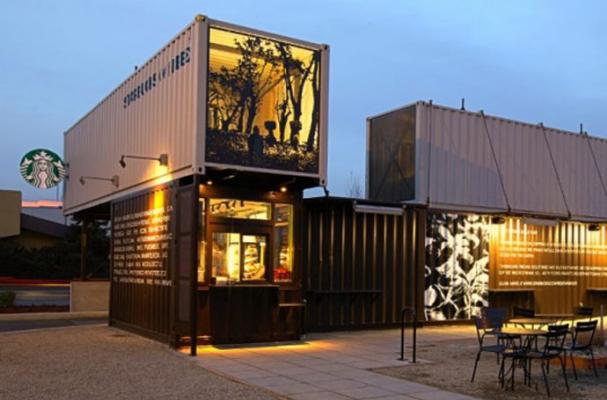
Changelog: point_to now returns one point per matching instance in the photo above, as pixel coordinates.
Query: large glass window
(238, 257)
(263, 103)
(233, 208)
(283, 243)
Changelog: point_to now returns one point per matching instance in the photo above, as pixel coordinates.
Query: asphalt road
(8, 326)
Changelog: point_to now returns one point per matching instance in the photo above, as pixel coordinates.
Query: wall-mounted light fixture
(498, 220)
(594, 227)
(210, 182)
(163, 159)
(113, 180)
(283, 189)
(369, 209)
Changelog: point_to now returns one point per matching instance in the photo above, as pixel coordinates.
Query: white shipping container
(162, 109)
(467, 161)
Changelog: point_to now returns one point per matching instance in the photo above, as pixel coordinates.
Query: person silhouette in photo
(255, 146)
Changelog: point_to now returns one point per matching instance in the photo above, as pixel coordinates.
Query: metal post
(402, 333)
(83, 248)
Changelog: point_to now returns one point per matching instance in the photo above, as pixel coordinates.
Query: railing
(404, 312)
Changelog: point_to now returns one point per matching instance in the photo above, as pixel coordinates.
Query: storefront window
(283, 243)
(232, 208)
(238, 257)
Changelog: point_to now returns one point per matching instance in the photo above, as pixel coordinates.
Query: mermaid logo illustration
(42, 168)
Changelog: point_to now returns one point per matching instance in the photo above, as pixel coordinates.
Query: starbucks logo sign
(42, 168)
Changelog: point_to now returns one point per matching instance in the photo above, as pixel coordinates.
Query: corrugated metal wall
(360, 269)
(141, 307)
(154, 111)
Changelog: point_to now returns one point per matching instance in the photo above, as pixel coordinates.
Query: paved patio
(331, 365)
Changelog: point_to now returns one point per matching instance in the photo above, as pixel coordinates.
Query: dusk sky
(528, 60)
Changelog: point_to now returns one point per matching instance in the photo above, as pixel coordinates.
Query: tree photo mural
(263, 103)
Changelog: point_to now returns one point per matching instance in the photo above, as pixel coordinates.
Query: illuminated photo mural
(263, 103)
(457, 266)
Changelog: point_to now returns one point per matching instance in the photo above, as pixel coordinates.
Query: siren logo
(42, 168)
(166, 70)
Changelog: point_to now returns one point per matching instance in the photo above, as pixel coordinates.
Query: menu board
(140, 245)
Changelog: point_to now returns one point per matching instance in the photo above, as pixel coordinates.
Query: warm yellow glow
(283, 189)
(233, 256)
(225, 54)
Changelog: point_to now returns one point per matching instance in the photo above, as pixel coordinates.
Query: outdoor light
(498, 220)
(163, 159)
(283, 189)
(367, 209)
(114, 179)
(210, 182)
(594, 227)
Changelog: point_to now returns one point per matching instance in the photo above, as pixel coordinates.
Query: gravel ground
(449, 364)
(98, 362)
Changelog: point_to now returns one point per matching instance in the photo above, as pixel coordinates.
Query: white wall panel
(162, 120)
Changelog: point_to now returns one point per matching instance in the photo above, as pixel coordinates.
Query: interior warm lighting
(283, 189)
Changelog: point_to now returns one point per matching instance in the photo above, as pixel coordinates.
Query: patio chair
(485, 327)
(519, 312)
(554, 347)
(496, 318)
(583, 312)
(583, 335)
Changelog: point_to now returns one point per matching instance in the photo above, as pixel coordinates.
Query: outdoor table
(532, 321)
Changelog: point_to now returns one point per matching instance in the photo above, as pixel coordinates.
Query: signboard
(42, 168)
(559, 263)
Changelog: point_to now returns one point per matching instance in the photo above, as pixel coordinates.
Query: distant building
(31, 224)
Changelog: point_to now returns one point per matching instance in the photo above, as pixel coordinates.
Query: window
(238, 257)
(243, 209)
(283, 243)
(263, 103)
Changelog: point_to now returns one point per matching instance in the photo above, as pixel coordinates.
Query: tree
(295, 75)
(354, 188)
(316, 100)
(257, 67)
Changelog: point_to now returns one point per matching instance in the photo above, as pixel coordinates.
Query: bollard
(402, 333)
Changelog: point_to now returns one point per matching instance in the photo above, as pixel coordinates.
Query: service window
(239, 257)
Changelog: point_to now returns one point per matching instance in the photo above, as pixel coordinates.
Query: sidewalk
(328, 366)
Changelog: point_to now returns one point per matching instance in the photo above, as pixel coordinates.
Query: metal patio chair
(583, 335)
(520, 312)
(486, 326)
(583, 312)
(554, 347)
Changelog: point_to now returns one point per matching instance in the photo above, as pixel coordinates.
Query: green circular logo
(42, 168)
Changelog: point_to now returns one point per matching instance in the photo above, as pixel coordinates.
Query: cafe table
(533, 322)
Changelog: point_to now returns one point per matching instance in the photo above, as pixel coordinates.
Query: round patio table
(532, 321)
